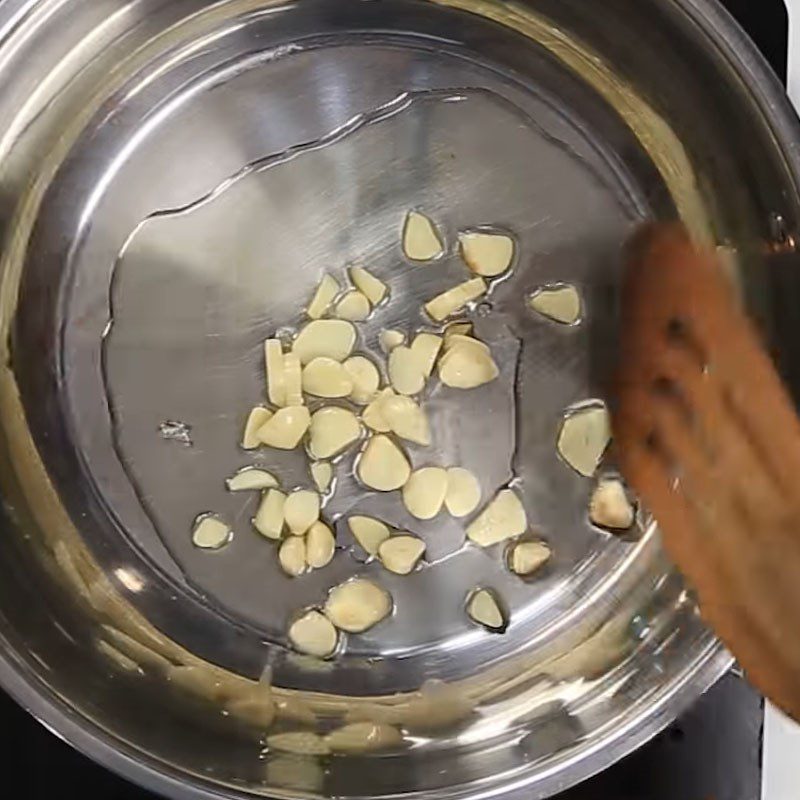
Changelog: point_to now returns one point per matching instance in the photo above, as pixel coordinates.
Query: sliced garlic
(468, 341)
(584, 437)
(211, 533)
(292, 555)
(453, 300)
(251, 478)
(463, 492)
(300, 743)
(293, 379)
(527, 557)
(465, 366)
(357, 605)
(269, 517)
(301, 511)
(389, 339)
(421, 241)
(354, 306)
(363, 737)
(483, 608)
(457, 329)
(559, 303)
(332, 431)
(424, 492)
(322, 474)
(326, 292)
(610, 507)
(324, 377)
(404, 417)
(285, 428)
(256, 419)
(320, 545)
(406, 374)
(400, 554)
(369, 532)
(488, 254)
(373, 414)
(365, 378)
(276, 382)
(366, 283)
(333, 338)
(502, 519)
(425, 348)
(383, 465)
(313, 634)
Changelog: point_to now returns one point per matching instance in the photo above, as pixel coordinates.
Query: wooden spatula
(708, 437)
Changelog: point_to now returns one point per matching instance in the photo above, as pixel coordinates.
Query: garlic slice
(251, 478)
(332, 431)
(383, 466)
(322, 475)
(421, 241)
(488, 254)
(463, 492)
(468, 341)
(301, 511)
(332, 338)
(354, 306)
(502, 519)
(313, 634)
(373, 414)
(299, 743)
(527, 557)
(285, 428)
(320, 545)
(363, 737)
(324, 377)
(559, 303)
(293, 379)
(457, 329)
(373, 289)
(369, 532)
(406, 374)
(453, 300)
(269, 518)
(365, 379)
(466, 366)
(425, 348)
(257, 418)
(584, 436)
(400, 554)
(326, 292)
(404, 417)
(389, 339)
(357, 605)
(610, 507)
(483, 608)
(292, 556)
(276, 382)
(424, 492)
(211, 533)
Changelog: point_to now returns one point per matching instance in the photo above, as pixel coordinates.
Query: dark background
(712, 753)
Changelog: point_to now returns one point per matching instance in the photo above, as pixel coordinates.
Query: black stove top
(712, 753)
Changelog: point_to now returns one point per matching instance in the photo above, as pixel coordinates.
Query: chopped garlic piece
(484, 609)
(389, 339)
(424, 492)
(421, 241)
(332, 431)
(373, 414)
(366, 283)
(610, 507)
(488, 254)
(365, 378)
(354, 306)
(333, 338)
(463, 492)
(502, 519)
(301, 511)
(322, 474)
(276, 382)
(400, 554)
(425, 348)
(453, 300)
(468, 341)
(326, 292)
(363, 737)
(300, 743)
(406, 374)
(256, 419)
(293, 379)
(269, 517)
(320, 545)
(383, 466)
(285, 428)
(357, 605)
(527, 557)
(324, 377)
(457, 329)
(559, 303)
(292, 555)
(251, 478)
(314, 635)
(211, 533)
(466, 366)
(584, 437)
(369, 532)
(404, 417)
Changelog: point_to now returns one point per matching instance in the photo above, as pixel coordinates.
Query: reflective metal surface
(176, 177)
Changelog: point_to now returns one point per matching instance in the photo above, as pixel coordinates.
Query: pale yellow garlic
(211, 533)
(292, 556)
(363, 737)
(322, 474)
(300, 743)
(256, 419)
(301, 511)
(421, 241)
(483, 608)
(527, 557)
(285, 428)
(403, 416)
(453, 300)
(466, 366)
(405, 371)
(276, 381)
(463, 492)
(331, 338)
(293, 379)
(251, 478)
(424, 492)
(371, 287)
(584, 436)
(373, 416)
(488, 254)
(383, 466)
(332, 431)
(502, 519)
(425, 349)
(559, 303)
(610, 507)
(313, 634)
(326, 292)
(354, 306)
(368, 532)
(389, 339)
(320, 545)
(357, 605)
(400, 554)
(269, 517)
(365, 378)
(324, 377)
